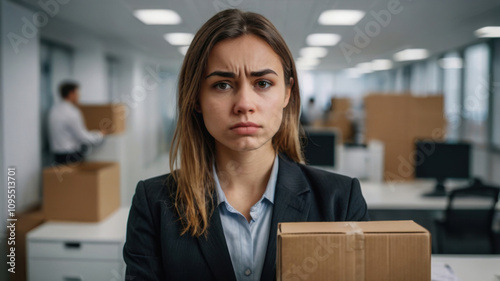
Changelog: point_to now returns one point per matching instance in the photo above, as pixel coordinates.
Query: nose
(244, 100)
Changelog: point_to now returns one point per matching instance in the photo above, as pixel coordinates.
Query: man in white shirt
(67, 131)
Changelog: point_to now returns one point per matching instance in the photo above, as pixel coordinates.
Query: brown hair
(192, 145)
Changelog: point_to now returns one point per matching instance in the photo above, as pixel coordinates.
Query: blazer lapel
(214, 248)
(292, 201)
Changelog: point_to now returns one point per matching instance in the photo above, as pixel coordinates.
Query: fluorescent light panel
(313, 52)
(183, 50)
(381, 64)
(353, 72)
(488, 32)
(179, 39)
(411, 54)
(307, 61)
(157, 17)
(323, 39)
(365, 67)
(340, 17)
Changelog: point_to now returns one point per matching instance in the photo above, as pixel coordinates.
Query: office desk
(404, 201)
(408, 196)
(78, 250)
(472, 267)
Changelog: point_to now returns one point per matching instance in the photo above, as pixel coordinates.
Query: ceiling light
(488, 32)
(365, 67)
(183, 50)
(341, 17)
(353, 72)
(322, 39)
(411, 54)
(451, 63)
(313, 52)
(154, 16)
(179, 39)
(380, 64)
(307, 61)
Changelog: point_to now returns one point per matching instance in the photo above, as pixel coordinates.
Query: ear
(288, 92)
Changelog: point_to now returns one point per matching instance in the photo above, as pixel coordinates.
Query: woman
(239, 171)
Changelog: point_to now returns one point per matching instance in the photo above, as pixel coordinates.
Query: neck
(247, 171)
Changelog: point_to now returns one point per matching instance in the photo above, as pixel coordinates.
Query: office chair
(468, 230)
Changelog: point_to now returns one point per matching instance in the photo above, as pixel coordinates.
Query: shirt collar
(270, 188)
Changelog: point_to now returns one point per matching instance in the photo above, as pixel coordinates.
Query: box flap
(346, 227)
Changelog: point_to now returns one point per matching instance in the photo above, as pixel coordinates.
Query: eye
(263, 84)
(222, 86)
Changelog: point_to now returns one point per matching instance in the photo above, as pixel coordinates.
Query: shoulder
(156, 187)
(323, 176)
(156, 191)
(336, 192)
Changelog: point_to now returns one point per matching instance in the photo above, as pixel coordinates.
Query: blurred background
(378, 79)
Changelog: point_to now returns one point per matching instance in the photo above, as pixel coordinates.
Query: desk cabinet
(69, 251)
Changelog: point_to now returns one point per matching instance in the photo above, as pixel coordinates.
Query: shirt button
(248, 272)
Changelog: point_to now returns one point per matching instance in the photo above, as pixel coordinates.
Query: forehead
(245, 53)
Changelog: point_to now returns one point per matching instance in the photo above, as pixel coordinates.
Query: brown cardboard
(24, 224)
(338, 117)
(398, 120)
(107, 116)
(399, 163)
(88, 191)
(353, 251)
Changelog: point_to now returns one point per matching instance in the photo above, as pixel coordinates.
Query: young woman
(236, 161)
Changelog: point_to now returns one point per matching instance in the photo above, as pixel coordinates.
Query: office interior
(440, 59)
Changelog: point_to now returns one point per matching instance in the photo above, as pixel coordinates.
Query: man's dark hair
(66, 88)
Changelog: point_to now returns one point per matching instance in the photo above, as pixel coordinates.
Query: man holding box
(67, 132)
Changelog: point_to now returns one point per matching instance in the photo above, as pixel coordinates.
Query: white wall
(20, 106)
(20, 125)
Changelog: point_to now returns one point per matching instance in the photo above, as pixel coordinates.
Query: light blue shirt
(247, 241)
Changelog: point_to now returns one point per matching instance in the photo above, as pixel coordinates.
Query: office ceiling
(435, 25)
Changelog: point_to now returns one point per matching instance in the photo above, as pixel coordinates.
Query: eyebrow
(233, 75)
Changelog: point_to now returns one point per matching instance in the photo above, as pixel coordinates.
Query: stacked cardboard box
(109, 117)
(398, 120)
(351, 251)
(338, 117)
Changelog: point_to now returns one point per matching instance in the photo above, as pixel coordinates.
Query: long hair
(193, 148)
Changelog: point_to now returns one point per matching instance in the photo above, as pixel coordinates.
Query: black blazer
(155, 251)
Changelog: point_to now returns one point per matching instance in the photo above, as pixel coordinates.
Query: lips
(244, 125)
(245, 128)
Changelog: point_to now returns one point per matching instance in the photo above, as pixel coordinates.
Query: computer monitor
(319, 147)
(441, 161)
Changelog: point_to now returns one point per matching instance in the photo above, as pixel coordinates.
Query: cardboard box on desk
(106, 116)
(352, 251)
(88, 191)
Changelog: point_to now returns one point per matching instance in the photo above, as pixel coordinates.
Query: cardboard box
(398, 120)
(25, 223)
(353, 251)
(88, 191)
(338, 117)
(107, 116)
(399, 160)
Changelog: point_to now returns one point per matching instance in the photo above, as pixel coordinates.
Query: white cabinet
(75, 251)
